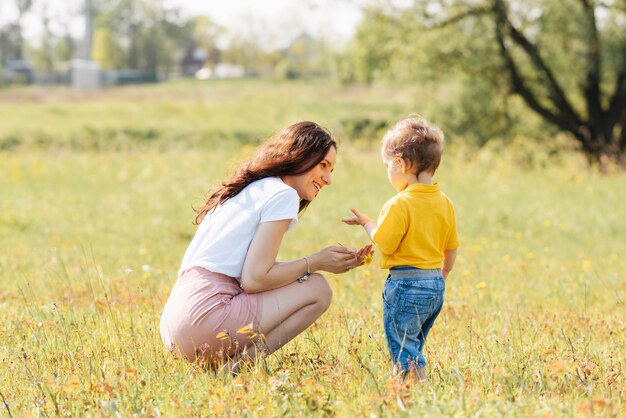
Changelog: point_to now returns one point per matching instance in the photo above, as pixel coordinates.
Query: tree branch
(474, 11)
(622, 141)
(565, 109)
(520, 87)
(592, 81)
(618, 102)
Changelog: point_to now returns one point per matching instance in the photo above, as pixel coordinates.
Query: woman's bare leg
(289, 310)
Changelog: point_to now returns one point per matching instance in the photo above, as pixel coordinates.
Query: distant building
(225, 70)
(85, 75)
(196, 58)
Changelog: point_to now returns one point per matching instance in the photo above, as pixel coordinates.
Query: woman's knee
(323, 291)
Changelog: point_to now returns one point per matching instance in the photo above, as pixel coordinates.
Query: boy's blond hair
(417, 142)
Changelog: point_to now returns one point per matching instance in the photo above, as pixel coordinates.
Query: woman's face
(309, 184)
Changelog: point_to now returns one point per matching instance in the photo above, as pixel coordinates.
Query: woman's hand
(339, 259)
(334, 259)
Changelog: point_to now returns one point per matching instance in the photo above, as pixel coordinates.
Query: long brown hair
(295, 150)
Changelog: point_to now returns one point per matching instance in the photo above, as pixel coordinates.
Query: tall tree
(566, 59)
(11, 37)
(139, 34)
(594, 125)
(23, 6)
(106, 50)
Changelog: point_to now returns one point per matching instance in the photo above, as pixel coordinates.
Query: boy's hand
(358, 218)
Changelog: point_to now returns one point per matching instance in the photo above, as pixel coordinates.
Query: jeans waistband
(412, 272)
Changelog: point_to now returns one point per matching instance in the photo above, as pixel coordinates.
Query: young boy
(417, 237)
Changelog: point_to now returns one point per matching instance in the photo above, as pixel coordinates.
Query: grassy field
(96, 193)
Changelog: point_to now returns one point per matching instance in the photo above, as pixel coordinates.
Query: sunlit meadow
(96, 197)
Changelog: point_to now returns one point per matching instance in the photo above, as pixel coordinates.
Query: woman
(232, 297)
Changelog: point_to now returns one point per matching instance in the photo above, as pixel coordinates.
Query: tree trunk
(595, 131)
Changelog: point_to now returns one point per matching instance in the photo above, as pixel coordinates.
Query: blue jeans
(412, 300)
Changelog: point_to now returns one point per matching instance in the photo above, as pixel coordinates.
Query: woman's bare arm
(262, 272)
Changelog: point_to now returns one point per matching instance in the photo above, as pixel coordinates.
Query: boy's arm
(365, 221)
(449, 256)
(370, 227)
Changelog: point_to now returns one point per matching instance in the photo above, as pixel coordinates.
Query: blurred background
(143, 40)
(548, 71)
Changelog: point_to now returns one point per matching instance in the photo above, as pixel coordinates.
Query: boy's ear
(405, 165)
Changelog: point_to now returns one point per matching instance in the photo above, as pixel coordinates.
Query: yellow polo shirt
(415, 227)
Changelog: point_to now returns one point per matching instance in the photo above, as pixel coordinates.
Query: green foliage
(106, 51)
(478, 116)
(363, 127)
(206, 34)
(286, 70)
(244, 51)
(305, 57)
(567, 62)
(398, 48)
(372, 48)
(139, 34)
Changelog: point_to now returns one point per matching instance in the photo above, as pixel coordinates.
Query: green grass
(95, 219)
(187, 113)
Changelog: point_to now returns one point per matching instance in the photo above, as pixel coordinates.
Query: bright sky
(277, 21)
(272, 21)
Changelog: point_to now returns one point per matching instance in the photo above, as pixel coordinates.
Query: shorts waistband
(412, 272)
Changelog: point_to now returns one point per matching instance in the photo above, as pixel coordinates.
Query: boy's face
(398, 176)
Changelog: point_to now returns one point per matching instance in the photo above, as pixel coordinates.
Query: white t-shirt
(222, 239)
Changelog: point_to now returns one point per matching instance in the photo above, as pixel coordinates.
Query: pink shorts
(204, 316)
